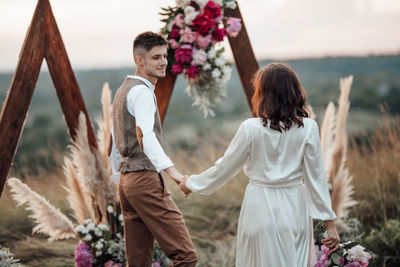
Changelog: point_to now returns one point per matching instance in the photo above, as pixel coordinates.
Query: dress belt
(294, 182)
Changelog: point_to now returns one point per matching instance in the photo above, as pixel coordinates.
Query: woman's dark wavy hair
(279, 97)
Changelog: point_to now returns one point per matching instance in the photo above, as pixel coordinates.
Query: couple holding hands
(278, 149)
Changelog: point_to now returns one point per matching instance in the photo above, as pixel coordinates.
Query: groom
(148, 210)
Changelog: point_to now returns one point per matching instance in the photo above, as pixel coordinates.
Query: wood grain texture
(243, 54)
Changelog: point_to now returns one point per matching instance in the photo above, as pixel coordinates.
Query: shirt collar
(147, 82)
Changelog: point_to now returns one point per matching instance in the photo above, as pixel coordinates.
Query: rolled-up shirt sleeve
(141, 104)
(315, 178)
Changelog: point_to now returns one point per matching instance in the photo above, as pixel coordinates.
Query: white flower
(219, 2)
(207, 66)
(201, 3)
(182, 3)
(102, 227)
(119, 235)
(231, 4)
(98, 232)
(98, 253)
(220, 61)
(227, 71)
(84, 231)
(211, 53)
(88, 237)
(357, 253)
(121, 218)
(216, 73)
(87, 221)
(199, 57)
(79, 228)
(91, 226)
(99, 246)
(110, 209)
(190, 14)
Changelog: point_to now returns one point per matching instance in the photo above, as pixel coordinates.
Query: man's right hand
(183, 187)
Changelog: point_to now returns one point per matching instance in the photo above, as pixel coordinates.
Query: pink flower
(183, 54)
(218, 34)
(187, 35)
(213, 10)
(179, 21)
(199, 57)
(234, 26)
(353, 264)
(342, 260)
(110, 263)
(365, 264)
(203, 41)
(192, 71)
(83, 255)
(176, 69)
(156, 264)
(174, 32)
(173, 44)
(325, 249)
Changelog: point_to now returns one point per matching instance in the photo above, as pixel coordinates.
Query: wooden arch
(43, 41)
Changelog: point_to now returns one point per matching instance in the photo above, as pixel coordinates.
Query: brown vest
(124, 125)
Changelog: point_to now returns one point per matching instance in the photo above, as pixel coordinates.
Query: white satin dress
(287, 188)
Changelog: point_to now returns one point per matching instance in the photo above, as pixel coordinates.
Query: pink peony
(183, 54)
(110, 263)
(218, 34)
(174, 32)
(187, 35)
(83, 255)
(213, 10)
(203, 41)
(192, 71)
(176, 69)
(202, 24)
(234, 26)
(173, 44)
(199, 57)
(179, 21)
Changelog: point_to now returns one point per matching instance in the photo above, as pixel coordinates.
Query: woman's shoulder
(310, 123)
(252, 122)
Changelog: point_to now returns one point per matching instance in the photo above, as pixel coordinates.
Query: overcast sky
(99, 33)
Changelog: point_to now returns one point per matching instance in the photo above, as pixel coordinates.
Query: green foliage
(385, 244)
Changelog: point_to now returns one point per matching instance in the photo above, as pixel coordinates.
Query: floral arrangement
(7, 258)
(349, 254)
(193, 29)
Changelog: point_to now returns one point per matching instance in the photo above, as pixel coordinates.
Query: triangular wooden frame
(43, 41)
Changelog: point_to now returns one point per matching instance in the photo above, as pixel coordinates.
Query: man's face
(155, 61)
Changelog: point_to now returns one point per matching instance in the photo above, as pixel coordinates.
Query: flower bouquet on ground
(349, 254)
(193, 30)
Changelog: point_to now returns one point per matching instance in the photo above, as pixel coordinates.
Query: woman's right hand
(332, 241)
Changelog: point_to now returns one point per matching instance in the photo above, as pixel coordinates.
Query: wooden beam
(163, 91)
(20, 92)
(245, 59)
(64, 80)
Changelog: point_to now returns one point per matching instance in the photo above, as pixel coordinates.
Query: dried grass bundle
(334, 146)
(105, 124)
(50, 220)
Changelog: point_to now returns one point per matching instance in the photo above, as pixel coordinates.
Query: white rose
(207, 66)
(182, 3)
(98, 232)
(102, 227)
(190, 14)
(201, 3)
(211, 53)
(91, 226)
(98, 253)
(231, 4)
(220, 61)
(110, 209)
(216, 73)
(87, 221)
(99, 246)
(88, 237)
(85, 231)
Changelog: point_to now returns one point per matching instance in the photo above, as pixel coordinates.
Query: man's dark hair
(148, 40)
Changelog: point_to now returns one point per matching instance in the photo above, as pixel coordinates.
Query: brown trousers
(149, 212)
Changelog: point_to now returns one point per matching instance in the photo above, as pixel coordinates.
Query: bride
(279, 150)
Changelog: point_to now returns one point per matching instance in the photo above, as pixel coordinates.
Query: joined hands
(182, 186)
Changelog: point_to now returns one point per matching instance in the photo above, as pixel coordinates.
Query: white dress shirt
(142, 104)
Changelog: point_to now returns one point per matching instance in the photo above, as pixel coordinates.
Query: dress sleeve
(225, 168)
(318, 198)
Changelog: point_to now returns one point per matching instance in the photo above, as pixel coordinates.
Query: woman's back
(276, 157)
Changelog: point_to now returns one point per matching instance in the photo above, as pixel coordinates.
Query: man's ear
(139, 61)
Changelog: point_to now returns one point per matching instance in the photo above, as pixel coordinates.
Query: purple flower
(234, 26)
(353, 264)
(111, 263)
(342, 260)
(83, 255)
(156, 264)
